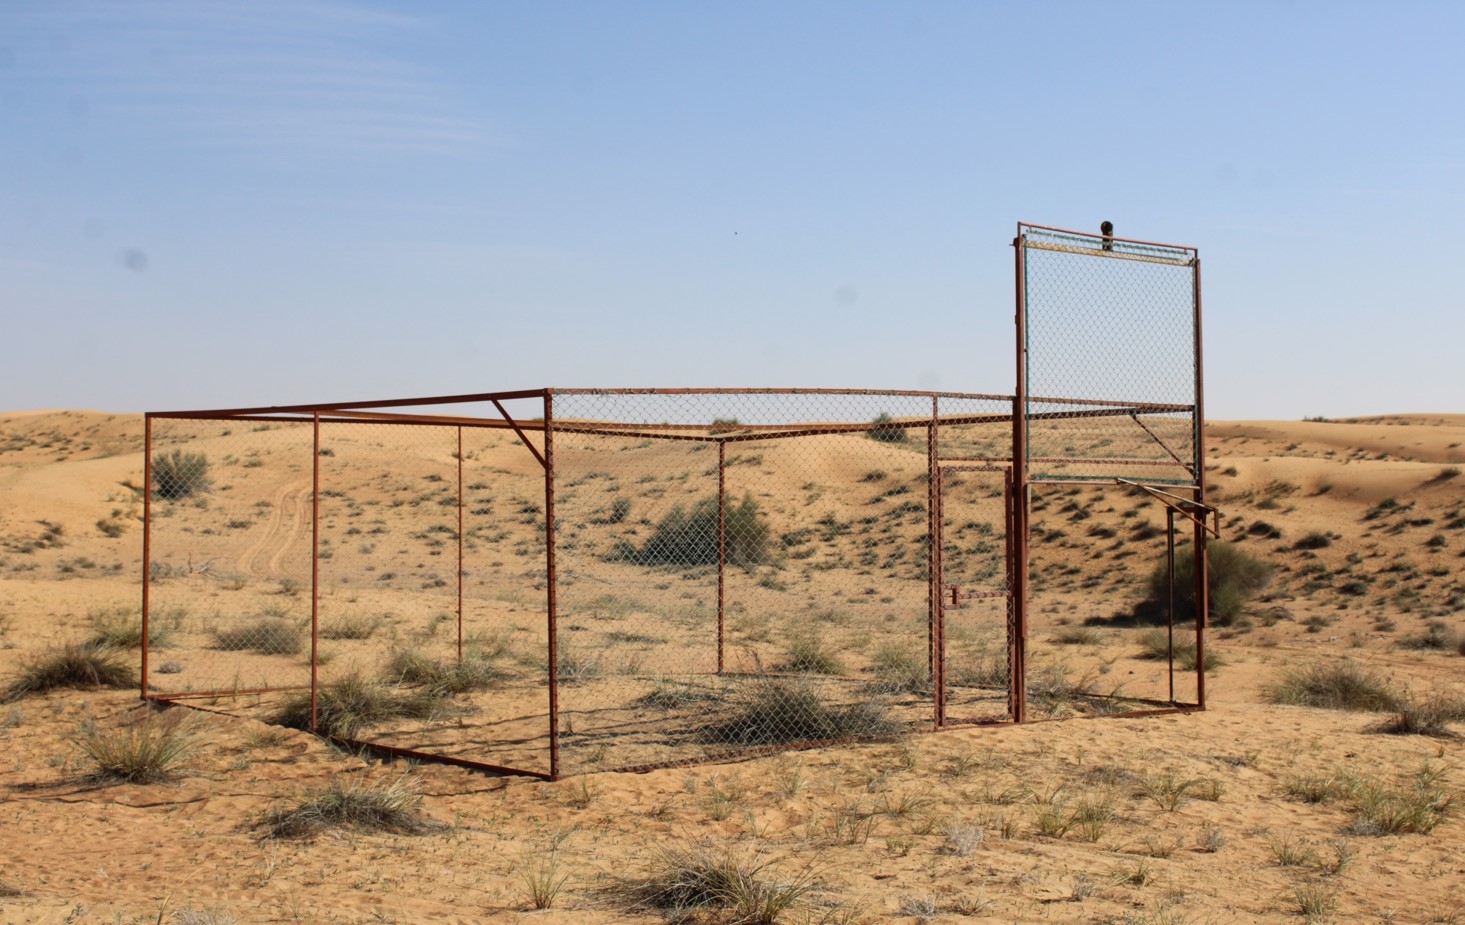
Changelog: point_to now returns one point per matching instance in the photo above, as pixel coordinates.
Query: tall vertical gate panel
(1109, 390)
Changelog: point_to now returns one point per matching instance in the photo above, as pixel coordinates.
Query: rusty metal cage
(555, 581)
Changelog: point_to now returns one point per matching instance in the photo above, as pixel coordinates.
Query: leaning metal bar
(147, 540)
(523, 438)
(551, 578)
(315, 574)
(1154, 437)
(357, 405)
(721, 548)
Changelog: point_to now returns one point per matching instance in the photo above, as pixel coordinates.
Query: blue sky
(220, 203)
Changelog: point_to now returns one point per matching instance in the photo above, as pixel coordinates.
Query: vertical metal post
(147, 541)
(550, 580)
(1018, 652)
(1202, 560)
(935, 630)
(721, 549)
(460, 542)
(1009, 503)
(314, 570)
(1170, 594)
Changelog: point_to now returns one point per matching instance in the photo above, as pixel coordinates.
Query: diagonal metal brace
(523, 438)
(1185, 507)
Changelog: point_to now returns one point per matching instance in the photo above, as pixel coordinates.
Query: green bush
(179, 474)
(1235, 577)
(690, 538)
(886, 431)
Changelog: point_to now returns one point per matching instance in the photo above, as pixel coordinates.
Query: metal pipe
(551, 614)
(1018, 642)
(935, 537)
(1202, 558)
(1170, 595)
(721, 549)
(147, 541)
(460, 543)
(315, 573)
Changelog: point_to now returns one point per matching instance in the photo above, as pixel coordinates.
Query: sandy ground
(960, 826)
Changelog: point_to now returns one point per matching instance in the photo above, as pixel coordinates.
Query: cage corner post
(315, 571)
(1018, 630)
(551, 614)
(460, 543)
(721, 553)
(147, 547)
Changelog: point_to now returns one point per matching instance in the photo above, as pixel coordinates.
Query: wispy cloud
(329, 78)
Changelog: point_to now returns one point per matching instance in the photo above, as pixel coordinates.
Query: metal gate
(975, 641)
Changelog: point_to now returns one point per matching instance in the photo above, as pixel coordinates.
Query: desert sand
(1193, 818)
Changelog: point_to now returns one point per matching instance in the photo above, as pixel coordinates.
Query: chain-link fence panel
(740, 570)
(1111, 358)
(229, 562)
(975, 592)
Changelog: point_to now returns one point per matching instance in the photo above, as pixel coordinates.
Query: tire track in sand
(287, 523)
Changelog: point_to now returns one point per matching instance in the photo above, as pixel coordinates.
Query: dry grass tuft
(343, 803)
(775, 711)
(355, 702)
(149, 750)
(73, 666)
(724, 884)
(1340, 685)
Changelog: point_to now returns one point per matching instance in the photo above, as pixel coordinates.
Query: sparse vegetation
(886, 430)
(1155, 644)
(120, 627)
(777, 711)
(345, 707)
(685, 538)
(732, 885)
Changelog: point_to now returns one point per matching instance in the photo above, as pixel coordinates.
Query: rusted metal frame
(936, 566)
(612, 431)
(721, 550)
(393, 751)
(231, 692)
(1105, 461)
(1121, 407)
(815, 430)
(1202, 558)
(1112, 255)
(357, 405)
(551, 602)
(523, 438)
(1017, 637)
(460, 543)
(1143, 426)
(903, 393)
(378, 417)
(315, 575)
(147, 544)
(1117, 240)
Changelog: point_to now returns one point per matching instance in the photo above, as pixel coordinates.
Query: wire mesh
(1111, 358)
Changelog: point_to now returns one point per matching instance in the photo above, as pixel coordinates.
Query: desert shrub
(702, 881)
(1314, 540)
(620, 509)
(345, 707)
(121, 627)
(1340, 685)
(724, 425)
(1416, 805)
(144, 752)
(1430, 715)
(474, 672)
(886, 430)
(690, 538)
(266, 635)
(776, 711)
(808, 654)
(71, 666)
(178, 474)
(345, 803)
(1155, 644)
(1234, 578)
(899, 670)
(350, 626)
(1077, 636)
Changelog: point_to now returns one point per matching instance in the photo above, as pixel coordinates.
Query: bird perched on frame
(1107, 230)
